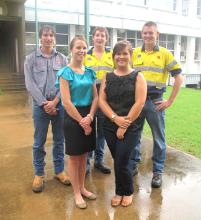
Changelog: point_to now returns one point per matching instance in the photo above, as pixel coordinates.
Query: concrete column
(190, 54)
(71, 32)
(177, 47)
(114, 37)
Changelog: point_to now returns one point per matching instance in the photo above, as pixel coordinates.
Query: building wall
(12, 32)
(179, 23)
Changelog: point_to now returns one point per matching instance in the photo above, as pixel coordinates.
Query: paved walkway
(179, 197)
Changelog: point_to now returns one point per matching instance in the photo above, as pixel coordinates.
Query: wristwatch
(113, 117)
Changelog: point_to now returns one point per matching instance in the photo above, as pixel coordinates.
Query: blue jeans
(41, 123)
(156, 121)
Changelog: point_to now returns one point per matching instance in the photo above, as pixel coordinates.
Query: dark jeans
(121, 151)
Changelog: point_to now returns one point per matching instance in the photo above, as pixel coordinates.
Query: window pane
(63, 49)
(139, 43)
(130, 34)
(170, 45)
(132, 41)
(30, 38)
(61, 39)
(139, 35)
(170, 37)
(162, 37)
(119, 39)
(162, 44)
(30, 27)
(121, 33)
(60, 28)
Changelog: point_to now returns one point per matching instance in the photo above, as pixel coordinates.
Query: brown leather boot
(38, 184)
(63, 178)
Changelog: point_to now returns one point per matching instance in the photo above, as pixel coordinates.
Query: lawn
(183, 122)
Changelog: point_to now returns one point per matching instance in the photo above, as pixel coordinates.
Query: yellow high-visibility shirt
(100, 66)
(155, 65)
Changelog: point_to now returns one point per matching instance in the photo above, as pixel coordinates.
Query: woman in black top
(122, 96)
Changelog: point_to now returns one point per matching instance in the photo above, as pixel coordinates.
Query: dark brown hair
(78, 37)
(101, 29)
(121, 45)
(46, 28)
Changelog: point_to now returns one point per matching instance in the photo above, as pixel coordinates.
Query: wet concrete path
(179, 197)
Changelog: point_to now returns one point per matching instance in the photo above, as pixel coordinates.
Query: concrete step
(11, 82)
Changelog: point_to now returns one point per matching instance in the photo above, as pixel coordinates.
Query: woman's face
(79, 50)
(122, 58)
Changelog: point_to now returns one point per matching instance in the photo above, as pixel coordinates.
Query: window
(167, 41)
(183, 48)
(197, 49)
(199, 7)
(127, 35)
(62, 40)
(30, 37)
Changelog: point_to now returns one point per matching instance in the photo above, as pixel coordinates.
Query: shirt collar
(156, 48)
(39, 52)
(90, 52)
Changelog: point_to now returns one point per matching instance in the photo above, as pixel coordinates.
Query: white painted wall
(117, 14)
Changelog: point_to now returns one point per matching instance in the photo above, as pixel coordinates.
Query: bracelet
(113, 117)
(90, 116)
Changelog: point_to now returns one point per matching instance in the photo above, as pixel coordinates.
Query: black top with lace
(120, 92)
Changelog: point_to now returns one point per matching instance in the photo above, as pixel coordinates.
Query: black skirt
(76, 142)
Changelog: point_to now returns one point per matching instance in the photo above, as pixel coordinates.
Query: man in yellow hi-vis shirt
(99, 58)
(155, 63)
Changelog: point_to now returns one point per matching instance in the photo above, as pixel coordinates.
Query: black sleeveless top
(120, 92)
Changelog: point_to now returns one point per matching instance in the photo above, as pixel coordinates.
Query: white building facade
(179, 24)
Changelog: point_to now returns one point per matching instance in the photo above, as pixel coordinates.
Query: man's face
(150, 35)
(99, 39)
(47, 39)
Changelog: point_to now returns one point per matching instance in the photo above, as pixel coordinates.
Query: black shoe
(135, 171)
(156, 180)
(102, 167)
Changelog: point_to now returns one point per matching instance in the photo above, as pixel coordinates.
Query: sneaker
(135, 171)
(102, 167)
(38, 184)
(156, 180)
(63, 178)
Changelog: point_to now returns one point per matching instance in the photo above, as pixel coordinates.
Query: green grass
(183, 122)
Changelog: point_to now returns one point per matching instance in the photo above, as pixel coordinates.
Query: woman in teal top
(79, 98)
